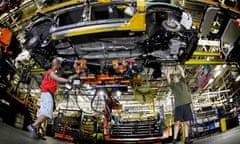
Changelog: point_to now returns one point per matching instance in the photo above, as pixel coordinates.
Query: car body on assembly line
(151, 33)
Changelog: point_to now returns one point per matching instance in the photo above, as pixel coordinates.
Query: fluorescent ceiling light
(218, 67)
(237, 78)
(217, 73)
(210, 81)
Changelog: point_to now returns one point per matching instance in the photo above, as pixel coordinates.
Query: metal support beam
(38, 70)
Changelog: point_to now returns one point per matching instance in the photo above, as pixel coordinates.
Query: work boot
(174, 141)
(188, 141)
(33, 131)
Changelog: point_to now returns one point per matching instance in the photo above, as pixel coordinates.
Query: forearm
(62, 80)
(58, 78)
(181, 70)
(168, 77)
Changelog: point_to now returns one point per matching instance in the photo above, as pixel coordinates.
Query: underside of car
(166, 35)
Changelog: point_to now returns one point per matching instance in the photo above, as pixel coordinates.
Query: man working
(48, 89)
(182, 101)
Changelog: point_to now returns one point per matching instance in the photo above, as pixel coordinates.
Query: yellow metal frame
(104, 1)
(204, 62)
(204, 53)
(141, 5)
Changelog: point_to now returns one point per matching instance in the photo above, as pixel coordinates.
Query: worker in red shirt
(48, 89)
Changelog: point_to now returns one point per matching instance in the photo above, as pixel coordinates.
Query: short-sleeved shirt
(181, 92)
(49, 85)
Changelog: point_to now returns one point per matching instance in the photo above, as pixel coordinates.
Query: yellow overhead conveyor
(204, 53)
(206, 62)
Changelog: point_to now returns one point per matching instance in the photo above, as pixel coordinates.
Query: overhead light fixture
(92, 92)
(218, 67)
(117, 94)
(217, 73)
(210, 81)
(101, 93)
(237, 78)
(81, 99)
